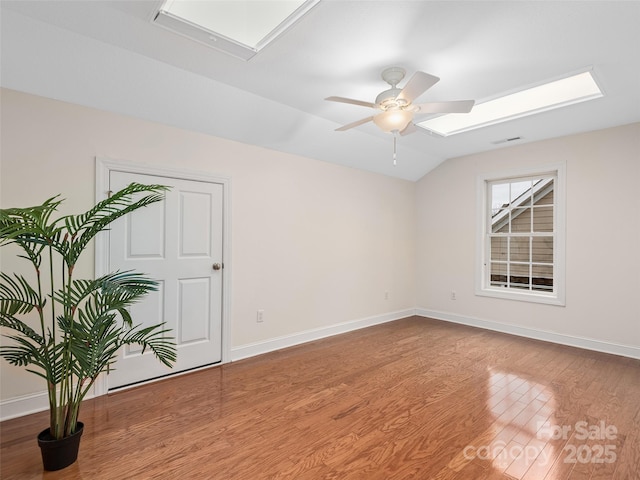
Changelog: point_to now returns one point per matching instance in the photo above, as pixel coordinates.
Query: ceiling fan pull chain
(395, 136)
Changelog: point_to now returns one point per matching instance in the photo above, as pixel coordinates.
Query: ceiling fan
(395, 106)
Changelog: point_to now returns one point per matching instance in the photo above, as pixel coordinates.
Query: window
(548, 96)
(521, 241)
(240, 28)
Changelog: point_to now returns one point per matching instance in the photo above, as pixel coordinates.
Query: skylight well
(237, 27)
(552, 95)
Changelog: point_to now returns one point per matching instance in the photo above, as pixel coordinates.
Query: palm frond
(126, 288)
(56, 367)
(22, 353)
(83, 228)
(126, 317)
(15, 222)
(20, 327)
(31, 228)
(46, 357)
(117, 289)
(17, 297)
(154, 338)
(95, 341)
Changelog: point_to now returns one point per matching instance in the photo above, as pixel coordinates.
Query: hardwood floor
(413, 399)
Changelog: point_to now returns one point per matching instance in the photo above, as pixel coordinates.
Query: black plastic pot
(58, 454)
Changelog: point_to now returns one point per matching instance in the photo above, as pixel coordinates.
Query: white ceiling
(108, 55)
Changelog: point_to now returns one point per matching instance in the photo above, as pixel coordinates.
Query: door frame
(104, 166)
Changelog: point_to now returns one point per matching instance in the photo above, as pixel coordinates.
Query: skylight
(238, 27)
(556, 94)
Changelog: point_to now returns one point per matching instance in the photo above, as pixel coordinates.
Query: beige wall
(603, 210)
(313, 244)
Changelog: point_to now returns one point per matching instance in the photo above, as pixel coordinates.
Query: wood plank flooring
(413, 399)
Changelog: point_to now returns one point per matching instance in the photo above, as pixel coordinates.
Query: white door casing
(176, 241)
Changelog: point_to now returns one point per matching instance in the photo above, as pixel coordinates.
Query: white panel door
(176, 242)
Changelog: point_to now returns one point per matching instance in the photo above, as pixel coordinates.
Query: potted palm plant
(68, 330)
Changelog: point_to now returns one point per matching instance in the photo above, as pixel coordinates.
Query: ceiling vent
(506, 140)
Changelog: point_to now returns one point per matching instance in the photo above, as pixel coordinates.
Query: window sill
(548, 299)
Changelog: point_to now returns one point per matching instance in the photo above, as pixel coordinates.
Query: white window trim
(557, 297)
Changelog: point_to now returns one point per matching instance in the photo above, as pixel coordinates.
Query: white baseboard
(23, 405)
(570, 340)
(258, 348)
(27, 404)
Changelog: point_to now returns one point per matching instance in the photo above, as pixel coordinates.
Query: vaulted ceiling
(109, 55)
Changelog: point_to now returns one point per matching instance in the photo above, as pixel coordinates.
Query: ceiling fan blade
(354, 124)
(351, 101)
(417, 85)
(409, 129)
(458, 106)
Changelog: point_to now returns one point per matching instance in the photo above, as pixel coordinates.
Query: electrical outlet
(260, 316)
(453, 294)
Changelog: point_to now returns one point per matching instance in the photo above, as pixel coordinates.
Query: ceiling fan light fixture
(395, 107)
(393, 119)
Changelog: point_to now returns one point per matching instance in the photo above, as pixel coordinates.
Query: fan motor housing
(388, 99)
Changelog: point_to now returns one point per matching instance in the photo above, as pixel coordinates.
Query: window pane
(521, 220)
(499, 248)
(542, 277)
(521, 194)
(499, 197)
(543, 219)
(500, 222)
(545, 197)
(519, 276)
(519, 249)
(498, 275)
(542, 249)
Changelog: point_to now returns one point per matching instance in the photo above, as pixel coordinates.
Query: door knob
(217, 266)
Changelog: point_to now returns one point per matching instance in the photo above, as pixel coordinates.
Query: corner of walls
(601, 311)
